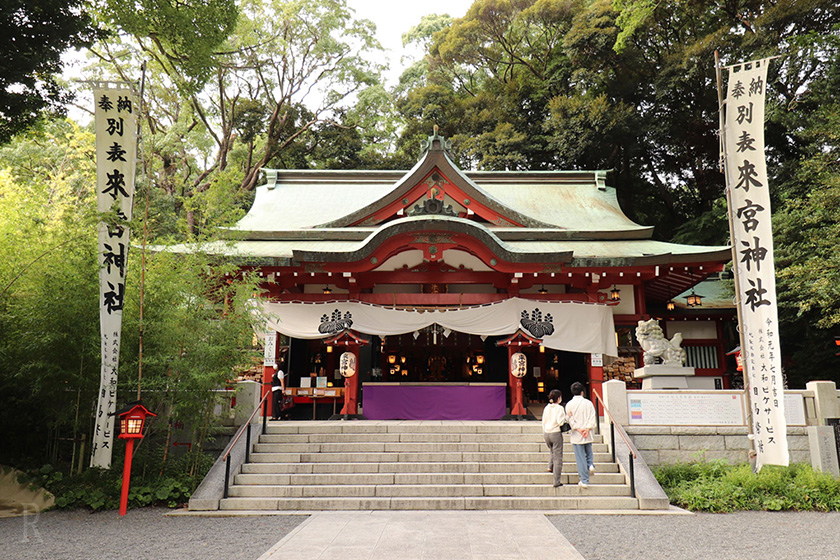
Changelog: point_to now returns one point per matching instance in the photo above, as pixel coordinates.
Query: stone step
(418, 467)
(401, 427)
(414, 437)
(405, 427)
(427, 490)
(311, 466)
(409, 457)
(406, 447)
(441, 503)
(420, 478)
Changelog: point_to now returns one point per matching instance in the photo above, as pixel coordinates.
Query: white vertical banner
(116, 153)
(270, 356)
(752, 236)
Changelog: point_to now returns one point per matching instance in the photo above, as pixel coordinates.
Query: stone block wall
(664, 445)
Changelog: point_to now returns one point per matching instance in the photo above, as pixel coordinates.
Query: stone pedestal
(657, 377)
(247, 399)
(823, 449)
(825, 400)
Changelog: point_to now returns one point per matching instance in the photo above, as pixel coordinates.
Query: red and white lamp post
(132, 420)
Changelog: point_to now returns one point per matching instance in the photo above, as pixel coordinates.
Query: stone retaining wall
(662, 445)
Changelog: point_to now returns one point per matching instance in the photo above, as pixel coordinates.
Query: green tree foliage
(183, 36)
(287, 71)
(33, 36)
(48, 285)
(197, 336)
(807, 228)
(197, 329)
(540, 85)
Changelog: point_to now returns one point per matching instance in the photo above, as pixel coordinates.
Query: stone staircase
(417, 465)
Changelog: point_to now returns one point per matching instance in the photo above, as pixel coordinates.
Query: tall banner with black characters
(116, 153)
(752, 236)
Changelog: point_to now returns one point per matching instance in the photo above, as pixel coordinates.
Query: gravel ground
(147, 534)
(748, 535)
(142, 534)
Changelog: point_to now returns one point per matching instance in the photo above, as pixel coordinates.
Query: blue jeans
(584, 459)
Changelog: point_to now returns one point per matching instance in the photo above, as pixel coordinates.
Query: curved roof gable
(438, 175)
(575, 204)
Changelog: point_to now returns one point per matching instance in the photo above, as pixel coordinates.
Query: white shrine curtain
(569, 326)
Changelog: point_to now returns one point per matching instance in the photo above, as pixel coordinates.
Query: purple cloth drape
(438, 402)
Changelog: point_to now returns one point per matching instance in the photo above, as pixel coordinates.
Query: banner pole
(736, 279)
(145, 234)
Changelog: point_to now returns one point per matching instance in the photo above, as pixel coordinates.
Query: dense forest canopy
(234, 86)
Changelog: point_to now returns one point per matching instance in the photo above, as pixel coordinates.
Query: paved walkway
(423, 535)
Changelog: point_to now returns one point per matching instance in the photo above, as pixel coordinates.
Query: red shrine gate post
(349, 341)
(514, 344)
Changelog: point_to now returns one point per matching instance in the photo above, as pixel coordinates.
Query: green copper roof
(568, 217)
(569, 202)
(584, 253)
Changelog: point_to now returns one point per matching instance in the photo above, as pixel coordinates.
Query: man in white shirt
(581, 415)
(552, 419)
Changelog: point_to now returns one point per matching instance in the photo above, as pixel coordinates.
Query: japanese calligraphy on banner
(752, 237)
(116, 152)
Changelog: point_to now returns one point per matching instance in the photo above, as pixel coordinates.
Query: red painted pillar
(129, 452)
(515, 384)
(351, 385)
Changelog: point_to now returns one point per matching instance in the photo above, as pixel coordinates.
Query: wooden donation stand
(434, 401)
(305, 395)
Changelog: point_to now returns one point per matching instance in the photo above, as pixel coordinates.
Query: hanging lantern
(693, 300)
(327, 290)
(542, 291)
(518, 365)
(347, 364)
(329, 349)
(392, 358)
(670, 305)
(479, 359)
(615, 294)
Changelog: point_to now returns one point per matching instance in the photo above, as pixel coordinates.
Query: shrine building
(459, 294)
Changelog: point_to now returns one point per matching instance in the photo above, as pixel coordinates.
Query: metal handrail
(615, 426)
(246, 428)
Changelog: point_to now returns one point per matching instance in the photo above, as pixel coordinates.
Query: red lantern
(132, 420)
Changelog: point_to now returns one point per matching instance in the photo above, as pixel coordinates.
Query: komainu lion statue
(656, 346)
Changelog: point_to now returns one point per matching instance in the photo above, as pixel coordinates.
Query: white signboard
(795, 410)
(752, 237)
(597, 360)
(270, 358)
(716, 408)
(116, 152)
